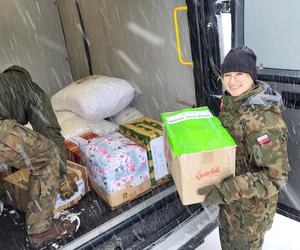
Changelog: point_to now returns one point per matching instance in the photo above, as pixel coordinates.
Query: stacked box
(73, 150)
(128, 193)
(199, 150)
(16, 185)
(118, 168)
(147, 133)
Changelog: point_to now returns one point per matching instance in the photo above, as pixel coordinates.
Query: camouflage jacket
(254, 120)
(24, 101)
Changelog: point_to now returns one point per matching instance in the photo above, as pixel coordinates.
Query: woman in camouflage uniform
(252, 113)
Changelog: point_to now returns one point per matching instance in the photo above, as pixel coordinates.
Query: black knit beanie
(17, 69)
(240, 59)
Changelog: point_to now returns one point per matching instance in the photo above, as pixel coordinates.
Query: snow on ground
(282, 236)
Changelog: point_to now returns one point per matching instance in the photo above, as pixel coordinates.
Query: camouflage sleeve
(266, 145)
(43, 120)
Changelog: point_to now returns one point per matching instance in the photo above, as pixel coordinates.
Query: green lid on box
(194, 130)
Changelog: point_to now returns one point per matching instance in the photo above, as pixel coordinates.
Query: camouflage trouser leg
(239, 241)
(23, 148)
(243, 224)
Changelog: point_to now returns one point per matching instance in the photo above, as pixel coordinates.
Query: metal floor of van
(156, 220)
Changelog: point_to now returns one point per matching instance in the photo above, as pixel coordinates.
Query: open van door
(205, 18)
(270, 29)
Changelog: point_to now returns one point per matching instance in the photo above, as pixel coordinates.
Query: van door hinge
(222, 7)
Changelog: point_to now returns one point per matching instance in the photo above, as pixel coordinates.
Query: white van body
(61, 41)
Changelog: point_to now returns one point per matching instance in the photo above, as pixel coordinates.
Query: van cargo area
(141, 224)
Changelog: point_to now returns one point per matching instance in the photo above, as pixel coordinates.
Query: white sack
(127, 115)
(94, 97)
(73, 125)
(103, 127)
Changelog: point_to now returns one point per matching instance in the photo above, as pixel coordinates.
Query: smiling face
(237, 83)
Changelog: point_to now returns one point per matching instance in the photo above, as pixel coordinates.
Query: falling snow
(59, 42)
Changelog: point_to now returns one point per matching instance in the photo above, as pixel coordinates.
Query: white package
(94, 97)
(128, 114)
(64, 116)
(73, 125)
(103, 127)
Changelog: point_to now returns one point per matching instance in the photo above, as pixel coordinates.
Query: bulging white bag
(128, 114)
(73, 125)
(94, 97)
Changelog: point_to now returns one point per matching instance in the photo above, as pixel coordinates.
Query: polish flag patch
(263, 139)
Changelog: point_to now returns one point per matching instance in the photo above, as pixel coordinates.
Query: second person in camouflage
(252, 113)
(40, 150)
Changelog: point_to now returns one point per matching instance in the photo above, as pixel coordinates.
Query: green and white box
(199, 151)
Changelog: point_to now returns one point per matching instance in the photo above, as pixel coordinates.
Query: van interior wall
(70, 22)
(32, 37)
(135, 40)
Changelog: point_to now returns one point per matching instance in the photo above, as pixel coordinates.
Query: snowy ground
(282, 236)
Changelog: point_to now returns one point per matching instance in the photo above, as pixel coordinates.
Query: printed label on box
(205, 114)
(81, 188)
(158, 157)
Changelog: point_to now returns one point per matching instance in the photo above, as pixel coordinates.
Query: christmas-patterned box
(73, 150)
(118, 168)
(147, 133)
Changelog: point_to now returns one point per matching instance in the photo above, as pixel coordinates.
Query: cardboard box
(147, 133)
(17, 188)
(199, 151)
(193, 171)
(123, 196)
(118, 168)
(73, 151)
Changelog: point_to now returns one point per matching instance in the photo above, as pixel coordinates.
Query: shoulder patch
(263, 139)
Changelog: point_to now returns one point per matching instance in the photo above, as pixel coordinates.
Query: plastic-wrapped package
(114, 162)
(73, 125)
(103, 127)
(127, 115)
